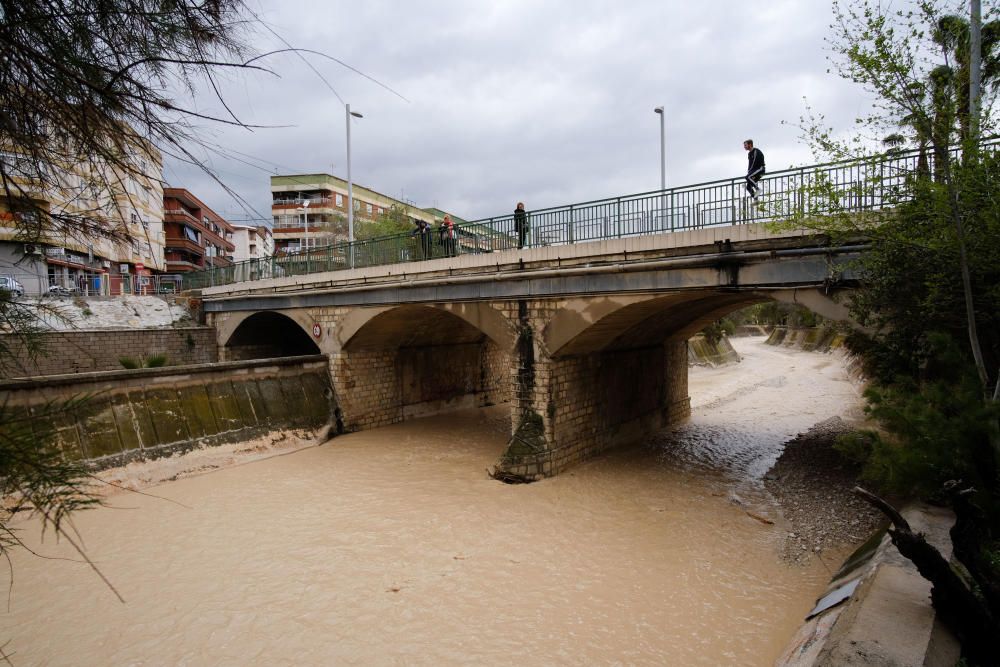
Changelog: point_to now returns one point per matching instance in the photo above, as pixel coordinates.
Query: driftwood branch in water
(960, 609)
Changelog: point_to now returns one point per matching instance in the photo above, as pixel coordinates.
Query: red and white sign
(317, 330)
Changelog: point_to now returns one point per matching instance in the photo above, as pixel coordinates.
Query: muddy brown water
(393, 547)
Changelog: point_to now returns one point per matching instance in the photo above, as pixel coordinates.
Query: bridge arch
(401, 362)
(481, 316)
(638, 321)
(585, 326)
(266, 334)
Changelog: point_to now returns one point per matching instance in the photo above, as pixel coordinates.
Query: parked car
(11, 285)
(59, 290)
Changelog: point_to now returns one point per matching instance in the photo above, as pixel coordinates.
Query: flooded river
(393, 547)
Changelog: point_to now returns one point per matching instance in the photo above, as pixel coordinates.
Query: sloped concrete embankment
(119, 416)
(810, 339)
(705, 352)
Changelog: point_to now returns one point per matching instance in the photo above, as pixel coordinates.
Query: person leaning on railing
(447, 233)
(423, 232)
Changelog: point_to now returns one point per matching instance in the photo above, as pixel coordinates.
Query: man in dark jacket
(520, 224)
(755, 167)
(423, 234)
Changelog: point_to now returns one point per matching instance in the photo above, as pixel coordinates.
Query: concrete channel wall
(876, 611)
(705, 352)
(114, 417)
(810, 339)
(89, 350)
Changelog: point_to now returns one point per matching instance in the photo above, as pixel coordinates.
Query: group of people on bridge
(446, 237)
(446, 229)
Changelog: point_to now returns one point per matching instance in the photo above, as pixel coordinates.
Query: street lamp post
(663, 163)
(305, 235)
(350, 185)
(663, 145)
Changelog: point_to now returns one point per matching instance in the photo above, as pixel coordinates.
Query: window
(340, 199)
(368, 209)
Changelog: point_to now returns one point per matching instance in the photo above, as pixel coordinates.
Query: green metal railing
(875, 183)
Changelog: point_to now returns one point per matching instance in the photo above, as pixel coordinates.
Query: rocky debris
(812, 484)
(124, 312)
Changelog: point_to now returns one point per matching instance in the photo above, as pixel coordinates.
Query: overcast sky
(515, 100)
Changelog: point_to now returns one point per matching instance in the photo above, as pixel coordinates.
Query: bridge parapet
(864, 184)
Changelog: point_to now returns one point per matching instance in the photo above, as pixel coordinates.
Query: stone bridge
(586, 342)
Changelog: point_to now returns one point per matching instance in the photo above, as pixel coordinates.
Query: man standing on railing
(521, 224)
(755, 167)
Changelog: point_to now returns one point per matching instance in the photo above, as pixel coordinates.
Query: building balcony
(180, 215)
(299, 201)
(181, 266)
(185, 244)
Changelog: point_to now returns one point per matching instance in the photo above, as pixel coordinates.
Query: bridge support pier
(569, 409)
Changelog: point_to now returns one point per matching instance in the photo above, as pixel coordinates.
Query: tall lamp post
(663, 163)
(305, 235)
(350, 184)
(663, 145)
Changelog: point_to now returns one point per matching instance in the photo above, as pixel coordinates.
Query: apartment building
(252, 242)
(100, 230)
(311, 210)
(196, 236)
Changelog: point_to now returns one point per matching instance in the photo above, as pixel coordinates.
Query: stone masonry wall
(678, 401)
(600, 400)
(367, 387)
(86, 351)
(152, 412)
(495, 367)
(385, 386)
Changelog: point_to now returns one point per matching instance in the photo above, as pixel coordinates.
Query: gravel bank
(812, 484)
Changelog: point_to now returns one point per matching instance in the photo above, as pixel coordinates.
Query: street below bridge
(391, 543)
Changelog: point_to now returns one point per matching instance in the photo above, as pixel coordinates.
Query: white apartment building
(252, 242)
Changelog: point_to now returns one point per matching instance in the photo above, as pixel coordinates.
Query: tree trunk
(960, 609)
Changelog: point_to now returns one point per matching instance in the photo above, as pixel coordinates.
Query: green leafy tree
(929, 297)
(392, 222)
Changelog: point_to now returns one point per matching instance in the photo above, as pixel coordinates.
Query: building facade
(252, 242)
(196, 237)
(95, 229)
(310, 210)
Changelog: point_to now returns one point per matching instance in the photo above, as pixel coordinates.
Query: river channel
(392, 546)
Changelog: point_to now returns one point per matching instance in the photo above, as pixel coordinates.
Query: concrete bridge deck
(749, 255)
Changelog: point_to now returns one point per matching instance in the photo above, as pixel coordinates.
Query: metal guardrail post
(618, 217)
(802, 192)
(570, 237)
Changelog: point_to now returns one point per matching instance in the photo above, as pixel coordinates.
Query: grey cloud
(545, 102)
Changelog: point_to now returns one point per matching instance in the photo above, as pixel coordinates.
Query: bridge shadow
(266, 335)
